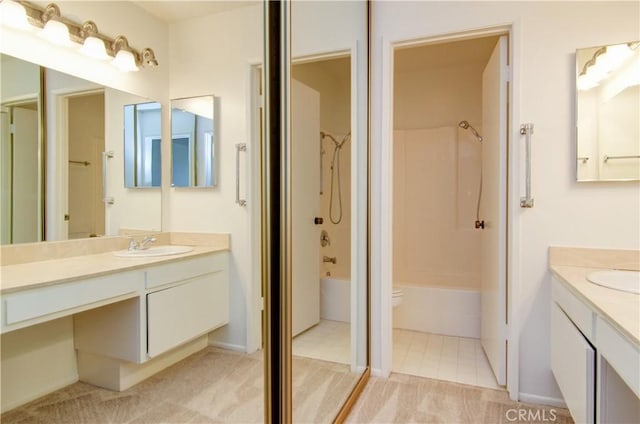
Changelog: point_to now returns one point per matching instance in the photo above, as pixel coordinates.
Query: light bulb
(56, 32)
(14, 14)
(586, 82)
(94, 47)
(125, 61)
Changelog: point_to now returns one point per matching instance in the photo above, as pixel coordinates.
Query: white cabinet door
(573, 365)
(182, 313)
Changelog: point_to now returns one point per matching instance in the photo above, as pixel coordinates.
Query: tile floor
(455, 359)
(327, 341)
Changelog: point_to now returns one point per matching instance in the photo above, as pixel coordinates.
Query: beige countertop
(14, 278)
(620, 309)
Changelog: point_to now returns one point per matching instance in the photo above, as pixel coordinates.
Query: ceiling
(178, 10)
(466, 52)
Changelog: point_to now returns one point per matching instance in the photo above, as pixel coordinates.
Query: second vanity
(595, 336)
(132, 317)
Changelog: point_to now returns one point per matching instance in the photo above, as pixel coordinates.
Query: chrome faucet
(142, 245)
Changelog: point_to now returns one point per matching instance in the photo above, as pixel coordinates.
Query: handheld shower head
(466, 125)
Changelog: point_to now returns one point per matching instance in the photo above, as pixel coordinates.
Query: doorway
(449, 209)
(85, 123)
(321, 193)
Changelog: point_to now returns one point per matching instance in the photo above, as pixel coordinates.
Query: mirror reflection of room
(192, 142)
(142, 145)
(608, 112)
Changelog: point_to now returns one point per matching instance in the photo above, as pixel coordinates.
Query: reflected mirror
(142, 145)
(193, 149)
(608, 112)
(21, 165)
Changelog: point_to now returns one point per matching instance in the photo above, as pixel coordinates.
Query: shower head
(466, 125)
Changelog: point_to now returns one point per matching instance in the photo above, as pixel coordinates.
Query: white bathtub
(335, 299)
(438, 310)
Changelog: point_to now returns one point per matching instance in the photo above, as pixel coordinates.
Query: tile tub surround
(622, 310)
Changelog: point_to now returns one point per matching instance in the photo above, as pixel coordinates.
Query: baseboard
(377, 372)
(39, 393)
(541, 400)
(228, 346)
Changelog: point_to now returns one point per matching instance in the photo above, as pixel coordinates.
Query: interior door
(86, 142)
(305, 205)
(494, 210)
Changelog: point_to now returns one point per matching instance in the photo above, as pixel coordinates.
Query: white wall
(223, 71)
(545, 36)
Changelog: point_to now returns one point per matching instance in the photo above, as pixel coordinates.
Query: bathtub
(454, 312)
(335, 299)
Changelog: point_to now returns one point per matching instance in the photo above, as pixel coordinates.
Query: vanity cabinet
(186, 308)
(573, 364)
(597, 368)
(177, 304)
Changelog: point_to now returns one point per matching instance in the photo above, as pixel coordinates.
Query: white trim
(513, 215)
(254, 296)
(542, 400)
(386, 213)
(229, 346)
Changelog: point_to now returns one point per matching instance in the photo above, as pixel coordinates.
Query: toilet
(397, 297)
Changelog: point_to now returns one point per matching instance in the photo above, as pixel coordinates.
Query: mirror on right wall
(193, 144)
(608, 113)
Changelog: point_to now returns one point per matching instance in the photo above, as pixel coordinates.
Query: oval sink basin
(628, 281)
(153, 251)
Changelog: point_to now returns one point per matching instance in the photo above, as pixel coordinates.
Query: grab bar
(607, 158)
(240, 147)
(527, 200)
(106, 199)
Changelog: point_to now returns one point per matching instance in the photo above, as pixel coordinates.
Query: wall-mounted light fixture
(56, 29)
(605, 60)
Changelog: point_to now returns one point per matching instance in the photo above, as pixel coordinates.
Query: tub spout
(328, 259)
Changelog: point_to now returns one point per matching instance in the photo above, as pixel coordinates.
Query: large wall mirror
(142, 145)
(63, 171)
(193, 147)
(608, 112)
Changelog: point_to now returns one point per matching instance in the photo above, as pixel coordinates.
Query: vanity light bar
(87, 33)
(604, 60)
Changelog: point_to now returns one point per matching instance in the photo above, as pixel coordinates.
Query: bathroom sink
(628, 281)
(153, 251)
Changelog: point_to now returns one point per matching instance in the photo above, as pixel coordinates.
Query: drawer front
(573, 365)
(623, 356)
(181, 313)
(177, 271)
(70, 296)
(579, 313)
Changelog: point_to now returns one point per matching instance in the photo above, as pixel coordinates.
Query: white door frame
(382, 286)
(58, 179)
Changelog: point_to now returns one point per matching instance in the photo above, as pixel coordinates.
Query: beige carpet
(211, 386)
(408, 399)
